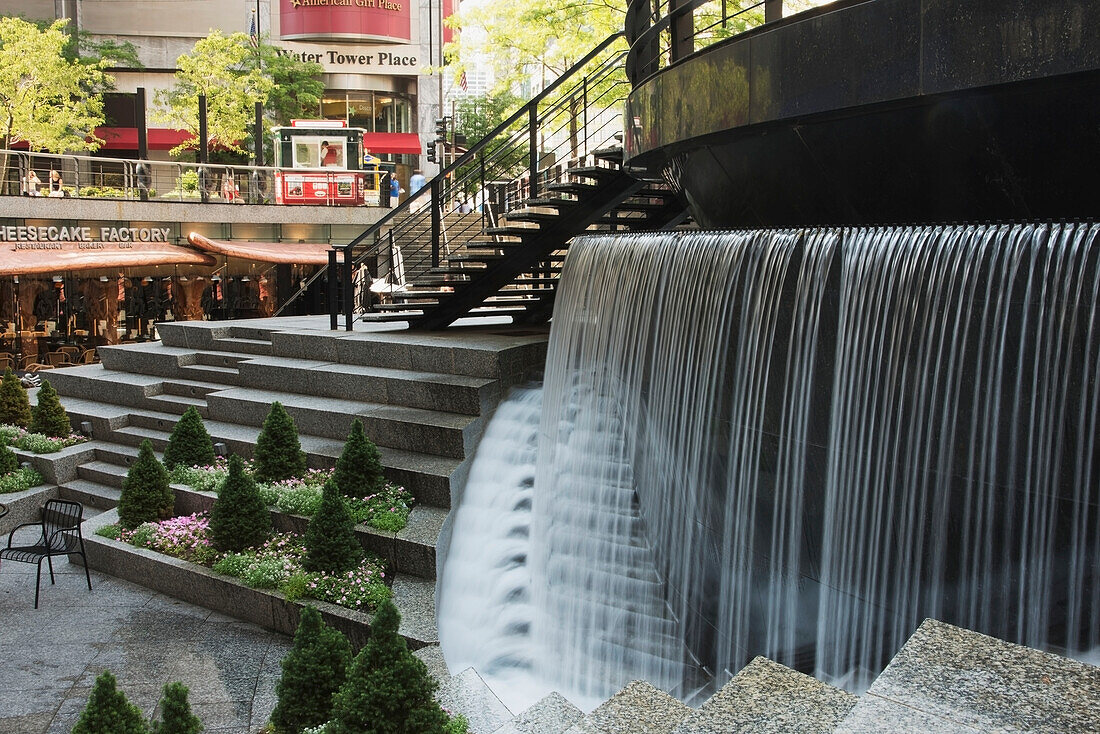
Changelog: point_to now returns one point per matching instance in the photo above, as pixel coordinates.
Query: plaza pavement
(50, 657)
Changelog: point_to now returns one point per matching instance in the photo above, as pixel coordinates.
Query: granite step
(414, 389)
(90, 494)
(242, 345)
(769, 698)
(102, 472)
(553, 714)
(179, 403)
(426, 476)
(948, 679)
(639, 707)
(446, 434)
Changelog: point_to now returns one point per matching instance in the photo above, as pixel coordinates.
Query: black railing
(576, 115)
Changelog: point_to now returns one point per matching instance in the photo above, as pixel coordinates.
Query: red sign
(383, 20)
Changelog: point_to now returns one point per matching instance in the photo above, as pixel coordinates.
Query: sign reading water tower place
(376, 20)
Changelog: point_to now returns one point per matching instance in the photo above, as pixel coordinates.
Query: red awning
(285, 253)
(62, 257)
(125, 138)
(392, 143)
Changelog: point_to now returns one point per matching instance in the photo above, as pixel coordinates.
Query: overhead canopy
(283, 253)
(392, 143)
(126, 138)
(68, 256)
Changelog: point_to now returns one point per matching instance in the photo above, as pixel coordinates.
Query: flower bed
(277, 564)
(20, 480)
(36, 443)
(387, 510)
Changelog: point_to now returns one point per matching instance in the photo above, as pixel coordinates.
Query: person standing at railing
(230, 192)
(56, 184)
(31, 184)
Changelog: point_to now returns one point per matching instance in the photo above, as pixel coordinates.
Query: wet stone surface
(51, 655)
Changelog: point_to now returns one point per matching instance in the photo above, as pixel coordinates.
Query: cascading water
(801, 443)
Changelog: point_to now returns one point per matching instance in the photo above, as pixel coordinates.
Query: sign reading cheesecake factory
(80, 238)
(378, 20)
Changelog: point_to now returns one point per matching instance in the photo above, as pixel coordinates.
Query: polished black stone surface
(887, 111)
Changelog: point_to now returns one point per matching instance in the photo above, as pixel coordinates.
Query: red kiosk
(322, 165)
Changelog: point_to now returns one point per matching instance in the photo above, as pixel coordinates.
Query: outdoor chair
(60, 528)
(36, 367)
(88, 357)
(6, 362)
(58, 359)
(71, 350)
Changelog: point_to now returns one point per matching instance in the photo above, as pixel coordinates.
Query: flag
(252, 39)
(462, 82)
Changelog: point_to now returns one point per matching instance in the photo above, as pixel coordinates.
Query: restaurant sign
(82, 238)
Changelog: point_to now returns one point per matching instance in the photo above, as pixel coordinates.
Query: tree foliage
(48, 100)
(108, 711)
(239, 518)
(331, 545)
(48, 416)
(189, 444)
(146, 494)
(175, 712)
(297, 86)
(359, 468)
(15, 407)
(222, 68)
(313, 672)
(278, 453)
(9, 462)
(388, 689)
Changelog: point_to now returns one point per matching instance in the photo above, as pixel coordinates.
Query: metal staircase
(431, 266)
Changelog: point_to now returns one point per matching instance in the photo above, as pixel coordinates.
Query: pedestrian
(416, 182)
(328, 154)
(395, 189)
(56, 183)
(31, 184)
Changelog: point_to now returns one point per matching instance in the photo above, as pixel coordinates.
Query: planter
(24, 506)
(269, 609)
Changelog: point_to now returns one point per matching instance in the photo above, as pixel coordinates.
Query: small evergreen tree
(9, 462)
(330, 539)
(48, 416)
(108, 711)
(239, 519)
(313, 671)
(388, 689)
(15, 407)
(359, 468)
(175, 712)
(189, 444)
(278, 454)
(146, 494)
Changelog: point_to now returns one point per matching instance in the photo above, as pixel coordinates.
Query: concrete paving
(50, 656)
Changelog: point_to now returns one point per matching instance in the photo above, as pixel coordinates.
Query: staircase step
(768, 697)
(101, 472)
(222, 359)
(209, 371)
(90, 493)
(246, 346)
(553, 714)
(596, 172)
(179, 403)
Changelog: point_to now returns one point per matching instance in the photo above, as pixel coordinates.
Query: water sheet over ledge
(815, 439)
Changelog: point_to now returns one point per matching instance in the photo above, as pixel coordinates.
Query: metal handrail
(426, 204)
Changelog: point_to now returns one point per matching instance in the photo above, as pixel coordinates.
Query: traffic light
(429, 149)
(441, 128)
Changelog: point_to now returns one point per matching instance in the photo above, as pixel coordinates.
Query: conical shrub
(313, 671)
(175, 712)
(9, 462)
(108, 711)
(15, 407)
(146, 494)
(278, 454)
(48, 417)
(331, 545)
(239, 519)
(189, 444)
(388, 690)
(359, 468)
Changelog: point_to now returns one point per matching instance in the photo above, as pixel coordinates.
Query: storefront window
(376, 112)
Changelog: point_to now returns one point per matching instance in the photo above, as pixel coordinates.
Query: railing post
(682, 42)
(773, 10)
(349, 290)
(333, 304)
(533, 125)
(638, 13)
(437, 223)
(481, 158)
(584, 107)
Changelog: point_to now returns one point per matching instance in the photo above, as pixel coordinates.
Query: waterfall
(801, 443)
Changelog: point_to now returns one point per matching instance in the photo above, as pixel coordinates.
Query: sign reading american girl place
(374, 20)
